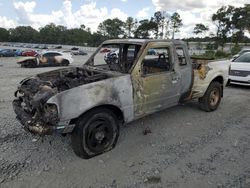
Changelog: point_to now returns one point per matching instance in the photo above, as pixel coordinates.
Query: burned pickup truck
(91, 102)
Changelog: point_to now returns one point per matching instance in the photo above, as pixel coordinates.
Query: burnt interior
(69, 78)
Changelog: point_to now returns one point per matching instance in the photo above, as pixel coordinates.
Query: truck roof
(142, 41)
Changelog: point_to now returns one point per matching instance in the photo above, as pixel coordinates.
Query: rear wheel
(95, 133)
(212, 98)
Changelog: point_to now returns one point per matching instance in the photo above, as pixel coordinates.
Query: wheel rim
(214, 97)
(99, 135)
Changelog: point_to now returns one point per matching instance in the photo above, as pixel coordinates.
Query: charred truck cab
(137, 78)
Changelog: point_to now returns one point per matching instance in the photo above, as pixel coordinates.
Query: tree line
(231, 23)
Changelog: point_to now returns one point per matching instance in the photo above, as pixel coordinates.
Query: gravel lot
(186, 147)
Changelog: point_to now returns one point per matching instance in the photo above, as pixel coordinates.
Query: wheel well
(221, 81)
(117, 111)
(218, 79)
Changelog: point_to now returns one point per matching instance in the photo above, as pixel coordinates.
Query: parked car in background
(112, 56)
(58, 47)
(239, 71)
(44, 47)
(152, 52)
(105, 50)
(79, 52)
(241, 52)
(74, 48)
(46, 59)
(67, 51)
(31, 53)
(7, 53)
(19, 52)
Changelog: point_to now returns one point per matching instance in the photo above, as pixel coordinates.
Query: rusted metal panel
(157, 91)
(115, 91)
(54, 97)
(204, 74)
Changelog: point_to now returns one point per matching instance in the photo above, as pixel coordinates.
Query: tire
(228, 83)
(95, 133)
(212, 98)
(65, 63)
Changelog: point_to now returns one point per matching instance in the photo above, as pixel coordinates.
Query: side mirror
(182, 61)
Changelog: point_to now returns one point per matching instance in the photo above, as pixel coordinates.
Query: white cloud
(193, 12)
(124, 0)
(173, 5)
(26, 6)
(143, 13)
(7, 23)
(117, 13)
(88, 14)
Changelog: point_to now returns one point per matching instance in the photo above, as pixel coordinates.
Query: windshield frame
(90, 61)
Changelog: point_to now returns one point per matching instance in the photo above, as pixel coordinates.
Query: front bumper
(37, 126)
(29, 122)
(239, 80)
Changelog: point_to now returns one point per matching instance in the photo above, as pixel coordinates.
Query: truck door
(156, 82)
(185, 69)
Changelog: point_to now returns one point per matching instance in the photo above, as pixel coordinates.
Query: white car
(241, 52)
(239, 72)
(62, 55)
(47, 59)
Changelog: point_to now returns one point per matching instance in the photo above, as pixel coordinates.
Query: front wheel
(95, 133)
(212, 98)
(65, 63)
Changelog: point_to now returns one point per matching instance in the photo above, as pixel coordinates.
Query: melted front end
(31, 107)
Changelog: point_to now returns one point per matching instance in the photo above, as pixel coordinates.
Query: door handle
(175, 79)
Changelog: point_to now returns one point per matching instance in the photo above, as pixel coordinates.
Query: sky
(73, 13)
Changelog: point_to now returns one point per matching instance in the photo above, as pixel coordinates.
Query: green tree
(145, 27)
(96, 39)
(246, 17)
(200, 29)
(4, 35)
(240, 21)
(112, 28)
(175, 23)
(129, 25)
(222, 20)
(52, 34)
(76, 36)
(24, 34)
(159, 19)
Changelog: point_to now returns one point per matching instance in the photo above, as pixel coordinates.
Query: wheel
(212, 98)
(30, 64)
(228, 83)
(95, 133)
(65, 62)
